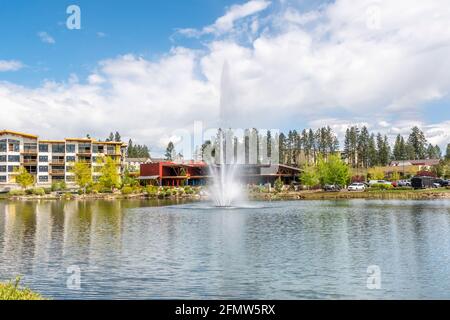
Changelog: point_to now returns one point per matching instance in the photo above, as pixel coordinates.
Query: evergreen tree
(110, 138)
(117, 137)
(372, 155)
(170, 151)
(397, 152)
(363, 147)
(417, 143)
(447, 152)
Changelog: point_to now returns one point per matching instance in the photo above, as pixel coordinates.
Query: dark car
(331, 187)
(441, 182)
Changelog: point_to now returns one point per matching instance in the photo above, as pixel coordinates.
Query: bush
(188, 190)
(58, 186)
(39, 191)
(382, 186)
(11, 291)
(151, 190)
(29, 192)
(137, 189)
(127, 190)
(16, 193)
(403, 188)
(48, 190)
(278, 185)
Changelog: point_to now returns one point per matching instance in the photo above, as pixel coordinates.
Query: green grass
(12, 291)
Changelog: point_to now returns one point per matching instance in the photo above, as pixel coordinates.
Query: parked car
(403, 183)
(357, 186)
(372, 182)
(423, 182)
(442, 183)
(331, 187)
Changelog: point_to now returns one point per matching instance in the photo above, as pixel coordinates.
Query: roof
(26, 135)
(422, 162)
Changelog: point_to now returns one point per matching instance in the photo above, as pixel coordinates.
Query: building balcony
(57, 172)
(57, 162)
(29, 162)
(84, 152)
(29, 151)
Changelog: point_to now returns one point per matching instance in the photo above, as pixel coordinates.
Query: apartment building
(51, 160)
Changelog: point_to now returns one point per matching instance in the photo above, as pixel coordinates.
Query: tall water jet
(225, 189)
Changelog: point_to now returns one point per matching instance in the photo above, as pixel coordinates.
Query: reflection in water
(280, 250)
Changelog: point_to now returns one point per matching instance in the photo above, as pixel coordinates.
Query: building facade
(51, 161)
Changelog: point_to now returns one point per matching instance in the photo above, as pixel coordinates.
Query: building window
(13, 158)
(13, 147)
(2, 147)
(111, 149)
(84, 148)
(70, 159)
(43, 148)
(43, 168)
(70, 148)
(13, 168)
(2, 168)
(70, 178)
(2, 158)
(43, 178)
(58, 148)
(43, 158)
(98, 149)
(58, 178)
(2, 178)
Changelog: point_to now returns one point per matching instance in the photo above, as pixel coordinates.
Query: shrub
(127, 190)
(137, 189)
(382, 186)
(188, 190)
(29, 192)
(56, 186)
(358, 179)
(16, 193)
(11, 291)
(151, 190)
(278, 185)
(39, 191)
(48, 190)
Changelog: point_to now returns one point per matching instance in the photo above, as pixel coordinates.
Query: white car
(372, 182)
(357, 186)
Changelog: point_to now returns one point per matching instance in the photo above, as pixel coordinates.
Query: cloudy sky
(149, 68)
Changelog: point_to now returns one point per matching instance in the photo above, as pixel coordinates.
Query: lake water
(269, 250)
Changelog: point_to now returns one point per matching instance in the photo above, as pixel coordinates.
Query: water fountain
(225, 189)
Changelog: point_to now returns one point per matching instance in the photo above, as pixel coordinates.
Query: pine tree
(417, 143)
(372, 152)
(397, 152)
(447, 152)
(363, 147)
(117, 137)
(170, 151)
(110, 138)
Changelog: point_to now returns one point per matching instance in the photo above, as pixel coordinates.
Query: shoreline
(425, 194)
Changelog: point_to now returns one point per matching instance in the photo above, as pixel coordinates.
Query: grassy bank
(427, 194)
(12, 291)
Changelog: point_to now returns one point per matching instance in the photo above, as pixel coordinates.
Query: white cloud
(10, 65)
(46, 38)
(227, 22)
(328, 64)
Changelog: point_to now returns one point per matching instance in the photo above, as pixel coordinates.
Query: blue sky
(150, 68)
(109, 28)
